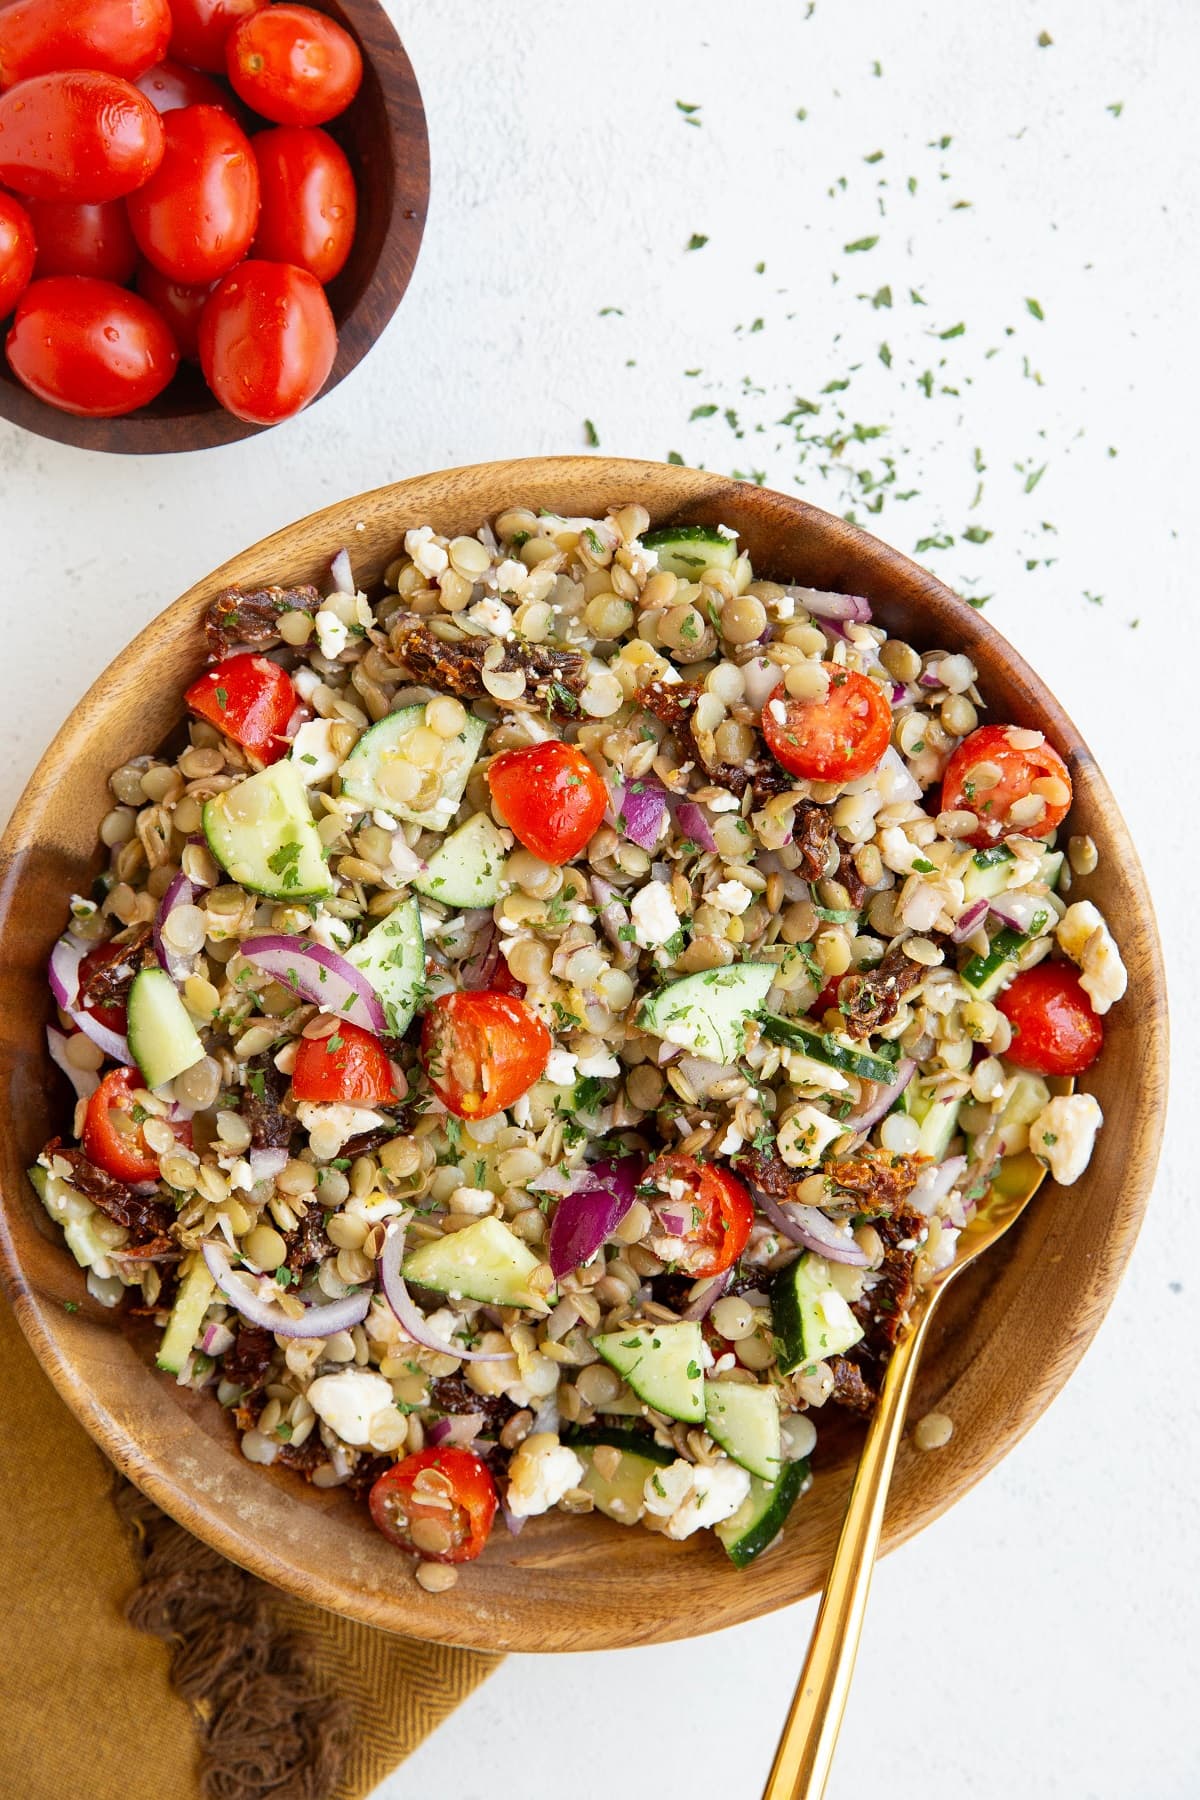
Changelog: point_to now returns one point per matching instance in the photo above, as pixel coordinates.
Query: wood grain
(1013, 1329)
(386, 142)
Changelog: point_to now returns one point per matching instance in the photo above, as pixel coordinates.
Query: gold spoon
(805, 1754)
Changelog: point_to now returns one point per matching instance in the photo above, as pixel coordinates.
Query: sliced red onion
(266, 1164)
(599, 1198)
(341, 574)
(321, 976)
(217, 1339)
(884, 1098)
(643, 807)
(968, 922)
(318, 1321)
(111, 1042)
(935, 1182)
(179, 892)
(693, 823)
(458, 1428)
(395, 1290)
(65, 959)
(808, 1226)
(300, 715)
(514, 1522)
(1020, 910)
(851, 608)
(84, 1081)
(704, 1302)
(478, 973)
(674, 1222)
(930, 677)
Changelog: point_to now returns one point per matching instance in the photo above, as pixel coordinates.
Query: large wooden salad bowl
(1011, 1332)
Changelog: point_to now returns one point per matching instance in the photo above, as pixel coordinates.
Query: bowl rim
(454, 1620)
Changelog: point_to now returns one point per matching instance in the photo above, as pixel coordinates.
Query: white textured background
(1037, 1641)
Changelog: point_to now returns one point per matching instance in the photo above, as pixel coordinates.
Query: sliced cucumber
(663, 1364)
(392, 957)
(707, 1013)
(812, 1320)
(262, 834)
(191, 1303)
(988, 871)
(366, 771)
(835, 1052)
(1030, 1096)
(162, 1038)
(687, 550)
(637, 1443)
(986, 975)
(468, 868)
(90, 1235)
(936, 1119)
(744, 1420)
(620, 1495)
(762, 1515)
(486, 1262)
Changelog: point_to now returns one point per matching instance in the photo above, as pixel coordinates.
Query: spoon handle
(805, 1754)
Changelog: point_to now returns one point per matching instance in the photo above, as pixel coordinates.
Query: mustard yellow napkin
(282, 1699)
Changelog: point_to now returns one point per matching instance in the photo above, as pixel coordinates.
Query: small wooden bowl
(383, 134)
(1010, 1332)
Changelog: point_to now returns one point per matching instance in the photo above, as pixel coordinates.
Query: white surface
(1035, 1642)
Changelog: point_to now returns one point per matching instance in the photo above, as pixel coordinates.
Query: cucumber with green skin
(392, 957)
(936, 1120)
(192, 1301)
(263, 836)
(744, 1420)
(687, 550)
(621, 1495)
(811, 1318)
(663, 1364)
(762, 1515)
(467, 869)
(988, 871)
(162, 1038)
(383, 745)
(485, 1262)
(834, 1052)
(707, 1013)
(633, 1443)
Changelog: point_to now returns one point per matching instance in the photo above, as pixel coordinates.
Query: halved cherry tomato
(267, 341)
(397, 1502)
(837, 738)
(293, 65)
(77, 135)
(196, 216)
(90, 347)
(169, 86)
(988, 774)
(123, 1153)
(120, 37)
(201, 27)
(482, 1051)
(309, 203)
(550, 795)
(74, 238)
(111, 1016)
(17, 252)
(1055, 1031)
(180, 304)
(715, 1210)
(350, 1067)
(250, 699)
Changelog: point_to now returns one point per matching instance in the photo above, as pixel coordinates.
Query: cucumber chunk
(486, 1262)
(762, 1515)
(744, 1420)
(937, 1120)
(367, 771)
(621, 1495)
(392, 957)
(162, 1038)
(707, 1013)
(468, 868)
(191, 1303)
(89, 1233)
(986, 975)
(637, 1443)
(663, 1364)
(687, 550)
(262, 834)
(988, 871)
(812, 1320)
(835, 1052)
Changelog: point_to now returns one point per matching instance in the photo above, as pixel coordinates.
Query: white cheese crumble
(429, 556)
(1086, 939)
(690, 1497)
(1064, 1134)
(333, 932)
(333, 634)
(493, 615)
(654, 918)
(336, 1122)
(348, 1401)
(778, 711)
(731, 1143)
(723, 802)
(806, 1135)
(600, 1063)
(313, 752)
(561, 1067)
(540, 1473)
(731, 896)
(306, 681)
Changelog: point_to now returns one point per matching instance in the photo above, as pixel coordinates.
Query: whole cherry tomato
(1055, 1031)
(123, 1153)
(706, 1208)
(180, 305)
(838, 735)
(267, 341)
(108, 1013)
(74, 238)
(550, 796)
(250, 699)
(90, 347)
(293, 65)
(201, 28)
(349, 1068)
(195, 217)
(309, 203)
(482, 1051)
(77, 135)
(17, 252)
(397, 1502)
(119, 37)
(169, 86)
(990, 774)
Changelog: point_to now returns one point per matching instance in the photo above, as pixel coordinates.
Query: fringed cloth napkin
(137, 1664)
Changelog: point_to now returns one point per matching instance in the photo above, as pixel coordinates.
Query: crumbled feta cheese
(313, 752)
(561, 1067)
(334, 933)
(806, 1072)
(778, 711)
(727, 531)
(493, 615)
(600, 1063)
(690, 1497)
(724, 801)
(522, 1112)
(731, 896)
(540, 1473)
(806, 1135)
(642, 562)
(509, 578)
(1086, 939)
(785, 607)
(731, 1143)
(474, 1200)
(654, 918)
(334, 1125)
(898, 850)
(428, 556)
(348, 1401)
(306, 681)
(1064, 1133)
(333, 634)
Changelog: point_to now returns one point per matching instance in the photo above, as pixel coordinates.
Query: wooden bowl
(1010, 1332)
(383, 134)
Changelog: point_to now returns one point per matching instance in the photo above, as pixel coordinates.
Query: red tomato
(397, 1503)
(111, 1016)
(838, 738)
(267, 341)
(293, 65)
(119, 37)
(168, 86)
(90, 347)
(550, 795)
(201, 28)
(77, 135)
(988, 753)
(77, 239)
(1055, 1031)
(122, 1152)
(716, 1212)
(179, 304)
(17, 252)
(350, 1068)
(195, 217)
(251, 700)
(482, 1051)
(309, 204)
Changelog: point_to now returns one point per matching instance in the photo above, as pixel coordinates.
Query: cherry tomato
(309, 204)
(715, 1210)
(989, 774)
(1055, 1031)
(111, 1016)
(350, 1068)
(77, 135)
(17, 252)
(482, 1051)
(837, 738)
(293, 65)
(201, 28)
(90, 347)
(119, 37)
(195, 217)
(550, 795)
(267, 341)
(179, 304)
(397, 1503)
(123, 1153)
(76, 239)
(169, 86)
(251, 700)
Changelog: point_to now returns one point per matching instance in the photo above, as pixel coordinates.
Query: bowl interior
(1009, 1332)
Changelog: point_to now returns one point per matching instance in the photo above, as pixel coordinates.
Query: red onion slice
(318, 1321)
(600, 1196)
(266, 1164)
(84, 1081)
(849, 608)
(935, 1182)
(704, 1302)
(65, 959)
(395, 1291)
(642, 809)
(809, 1227)
(217, 1339)
(693, 823)
(321, 976)
(1021, 910)
(459, 1428)
(968, 922)
(884, 1098)
(179, 892)
(479, 971)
